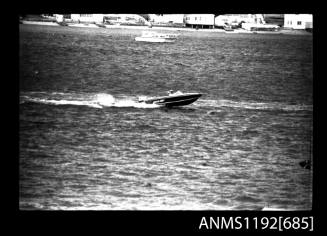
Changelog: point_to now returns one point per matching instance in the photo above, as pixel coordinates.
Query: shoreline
(237, 31)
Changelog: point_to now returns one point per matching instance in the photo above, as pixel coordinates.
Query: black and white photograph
(138, 112)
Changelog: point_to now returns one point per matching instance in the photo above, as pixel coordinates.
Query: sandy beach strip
(154, 28)
(39, 23)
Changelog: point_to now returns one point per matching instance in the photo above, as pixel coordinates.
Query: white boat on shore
(156, 37)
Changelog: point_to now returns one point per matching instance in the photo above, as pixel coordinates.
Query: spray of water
(100, 100)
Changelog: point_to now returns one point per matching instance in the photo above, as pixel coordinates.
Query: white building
(237, 19)
(298, 21)
(109, 18)
(124, 19)
(167, 18)
(59, 17)
(87, 18)
(200, 20)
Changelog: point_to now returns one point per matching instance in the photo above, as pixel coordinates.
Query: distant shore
(236, 31)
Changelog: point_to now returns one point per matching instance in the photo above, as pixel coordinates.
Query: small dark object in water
(63, 23)
(101, 25)
(306, 164)
(213, 112)
(216, 112)
(148, 185)
(36, 73)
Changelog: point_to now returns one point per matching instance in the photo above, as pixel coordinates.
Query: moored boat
(156, 37)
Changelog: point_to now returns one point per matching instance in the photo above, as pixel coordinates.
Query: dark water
(85, 143)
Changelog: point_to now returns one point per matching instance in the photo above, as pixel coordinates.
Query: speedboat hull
(173, 100)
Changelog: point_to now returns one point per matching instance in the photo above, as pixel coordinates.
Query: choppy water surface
(85, 142)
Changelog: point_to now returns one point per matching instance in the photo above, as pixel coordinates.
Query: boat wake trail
(253, 105)
(103, 100)
(100, 100)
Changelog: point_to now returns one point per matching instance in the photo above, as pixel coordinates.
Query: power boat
(156, 37)
(173, 99)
